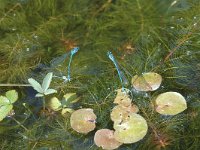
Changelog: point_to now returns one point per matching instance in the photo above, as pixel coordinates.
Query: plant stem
(8, 84)
(43, 100)
(19, 123)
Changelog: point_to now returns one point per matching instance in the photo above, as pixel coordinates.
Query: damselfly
(120, 73)
(61, 59)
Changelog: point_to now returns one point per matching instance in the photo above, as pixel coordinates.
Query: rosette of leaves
(42, 89)
(6, 103)
(65, 105)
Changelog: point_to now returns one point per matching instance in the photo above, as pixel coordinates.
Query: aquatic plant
(6, 103)
(44, 88)
(143, 36)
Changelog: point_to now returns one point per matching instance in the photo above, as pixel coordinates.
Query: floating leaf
(12, 95)
(47, 80)
(170, 103)
(70, 98)
(105, 138)
(150, 81)
(131, 130)
(54, 104)
(83, 120)
(122, 98)
(5, 110)
(66, 110)
(36, 85)
(121, 113)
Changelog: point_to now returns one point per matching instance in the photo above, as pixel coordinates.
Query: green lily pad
(150, 81)
(170, 103)
(69, 98)
(121, 113)
(105, 138)
(83, 120)
(131, 130)
(12, 95)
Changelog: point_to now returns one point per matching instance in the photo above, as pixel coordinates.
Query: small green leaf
(66, 110)
(35, 85)
(4, 101)
(47, 80)
(69, 98)
(4, 111)
(50, 91)
(54, 104)
(12, 95)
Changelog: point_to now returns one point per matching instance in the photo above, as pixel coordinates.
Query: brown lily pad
(122, 97)
(83, 120)
(105, 138)
(170, 103)
(150, 81)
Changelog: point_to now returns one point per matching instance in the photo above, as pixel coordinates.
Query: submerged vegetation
(154, 53)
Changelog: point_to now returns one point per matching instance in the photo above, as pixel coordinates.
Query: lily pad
(122, 98)
(105, 138)
(131, 130)
(83, 120)
(170, 103)
(121, 113)
(150, 81)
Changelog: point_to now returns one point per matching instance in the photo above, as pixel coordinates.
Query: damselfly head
(110, 55)
(74, 50)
